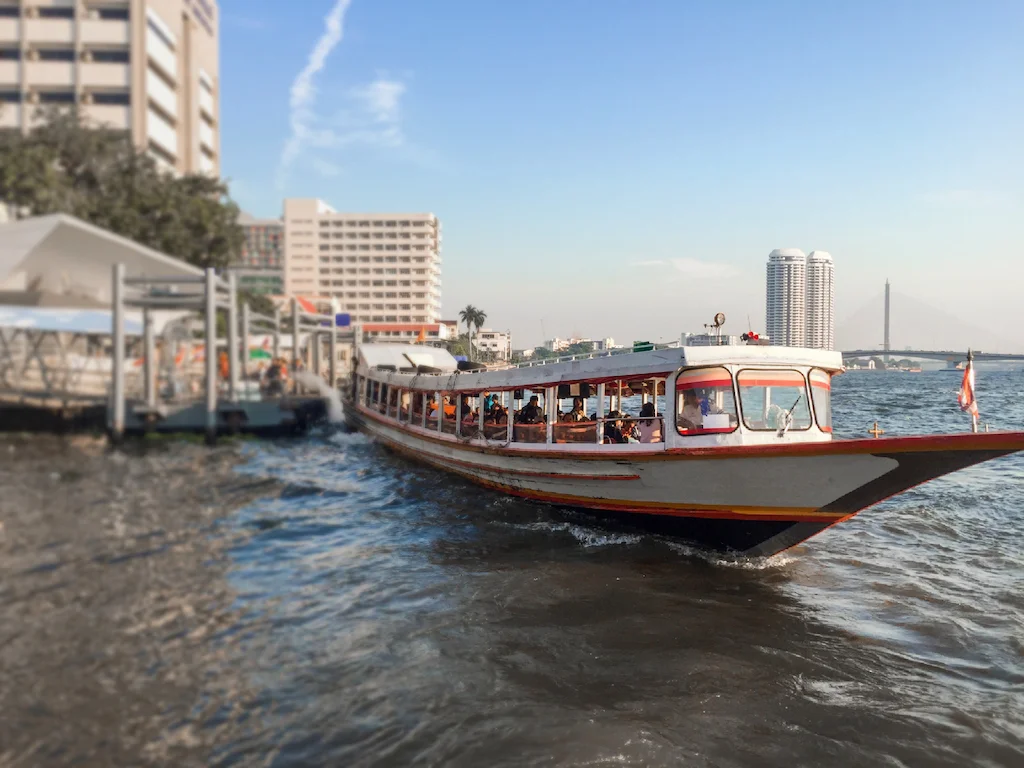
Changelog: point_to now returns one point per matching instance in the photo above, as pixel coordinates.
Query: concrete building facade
(381, 267)
(261, 265)
(785, 298)
(499, 343)
(820, 301)
(148, 67)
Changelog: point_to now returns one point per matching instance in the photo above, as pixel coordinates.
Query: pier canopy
(60, 261)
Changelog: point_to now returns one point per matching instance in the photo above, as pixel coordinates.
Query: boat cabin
(666, 398)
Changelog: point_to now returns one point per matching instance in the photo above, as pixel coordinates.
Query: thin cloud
(303, 92)
(694, 268)
(380, 99)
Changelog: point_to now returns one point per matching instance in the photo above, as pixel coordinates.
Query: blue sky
(609, 170)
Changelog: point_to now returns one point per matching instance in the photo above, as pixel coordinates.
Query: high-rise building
(260, 268)
(820, 301)
(381, 267)
(785, 304)
(148, 67)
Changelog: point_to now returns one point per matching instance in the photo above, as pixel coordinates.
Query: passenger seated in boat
(648, 429)
(497, 415)
(577, 413)
(449, 408)
(532, 412)
(613, 428)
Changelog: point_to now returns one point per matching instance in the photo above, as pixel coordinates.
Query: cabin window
(705, 403)
(448, 412)
(496, 408)
(772, 398)
(531, 417)
(821, 394)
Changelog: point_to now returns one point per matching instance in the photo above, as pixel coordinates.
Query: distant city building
(560, 345)
(405, 333)
(147, 67)
(800, 299)
(382, 267)
(261, 266)
(785, 298)
(497, 342)
(820, 302)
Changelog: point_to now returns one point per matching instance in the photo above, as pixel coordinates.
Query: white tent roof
(61, 255)
(406, 356)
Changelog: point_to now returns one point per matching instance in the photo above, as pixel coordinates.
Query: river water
(322, 602)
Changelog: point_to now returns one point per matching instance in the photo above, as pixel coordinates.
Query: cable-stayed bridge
(946, 355)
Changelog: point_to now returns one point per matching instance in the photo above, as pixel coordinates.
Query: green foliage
(99, 176)
(472, 316)
(542, 353)
(579, 348)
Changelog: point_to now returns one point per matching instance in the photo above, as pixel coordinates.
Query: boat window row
(619, 411)
(607, 413)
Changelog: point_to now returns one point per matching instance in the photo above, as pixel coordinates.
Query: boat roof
(595, 367)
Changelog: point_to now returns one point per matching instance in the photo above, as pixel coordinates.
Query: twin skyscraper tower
(800, 299)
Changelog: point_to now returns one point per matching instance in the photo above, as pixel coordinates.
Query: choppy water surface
(323, 602)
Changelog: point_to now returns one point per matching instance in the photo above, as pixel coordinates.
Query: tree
(99, 176)
(472, 316)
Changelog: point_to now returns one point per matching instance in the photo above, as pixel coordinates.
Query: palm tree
(467, 316)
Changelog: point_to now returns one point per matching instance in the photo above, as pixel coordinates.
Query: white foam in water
(329, 393)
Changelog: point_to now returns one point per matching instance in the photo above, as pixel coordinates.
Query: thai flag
(966, 397)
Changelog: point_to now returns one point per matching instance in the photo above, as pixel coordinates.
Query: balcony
(50, 73)
(206, 136)
(161, 54)
(206, 105)
(161, 133)
(9, 30)
(10, 115)
(105, 31)
(50, 31)
(10, 74)
(99, 75)
(161, 94)
(114, 116)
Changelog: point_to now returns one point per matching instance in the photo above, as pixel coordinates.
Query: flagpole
(974, 407)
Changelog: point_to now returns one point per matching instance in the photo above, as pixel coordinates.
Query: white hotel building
(379, 267)
(149, 67)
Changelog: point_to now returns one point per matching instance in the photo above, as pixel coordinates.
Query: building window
(56, 97)
(10, 97)
(121, 99)
(9, 54)
(113, 14)
(56, 54)
(9, 11)
(56, 13)
(160, 34)
(110, 56)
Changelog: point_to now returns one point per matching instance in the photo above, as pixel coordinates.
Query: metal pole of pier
(315, 341)
(149, 368)
(295, 335)
(332, 368)
(117, 422)
(277, 334)
(246, 322)
(600, 412)
(211, 356)
(233, 336)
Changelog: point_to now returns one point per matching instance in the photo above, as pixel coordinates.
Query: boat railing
(586, 356)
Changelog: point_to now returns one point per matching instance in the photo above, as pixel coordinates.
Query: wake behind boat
(728, 447)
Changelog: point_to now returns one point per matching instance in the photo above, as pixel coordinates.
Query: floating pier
(229, 404)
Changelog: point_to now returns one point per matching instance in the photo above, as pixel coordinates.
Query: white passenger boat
(728, 447)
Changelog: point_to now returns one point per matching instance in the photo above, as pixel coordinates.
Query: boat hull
(747, 500)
